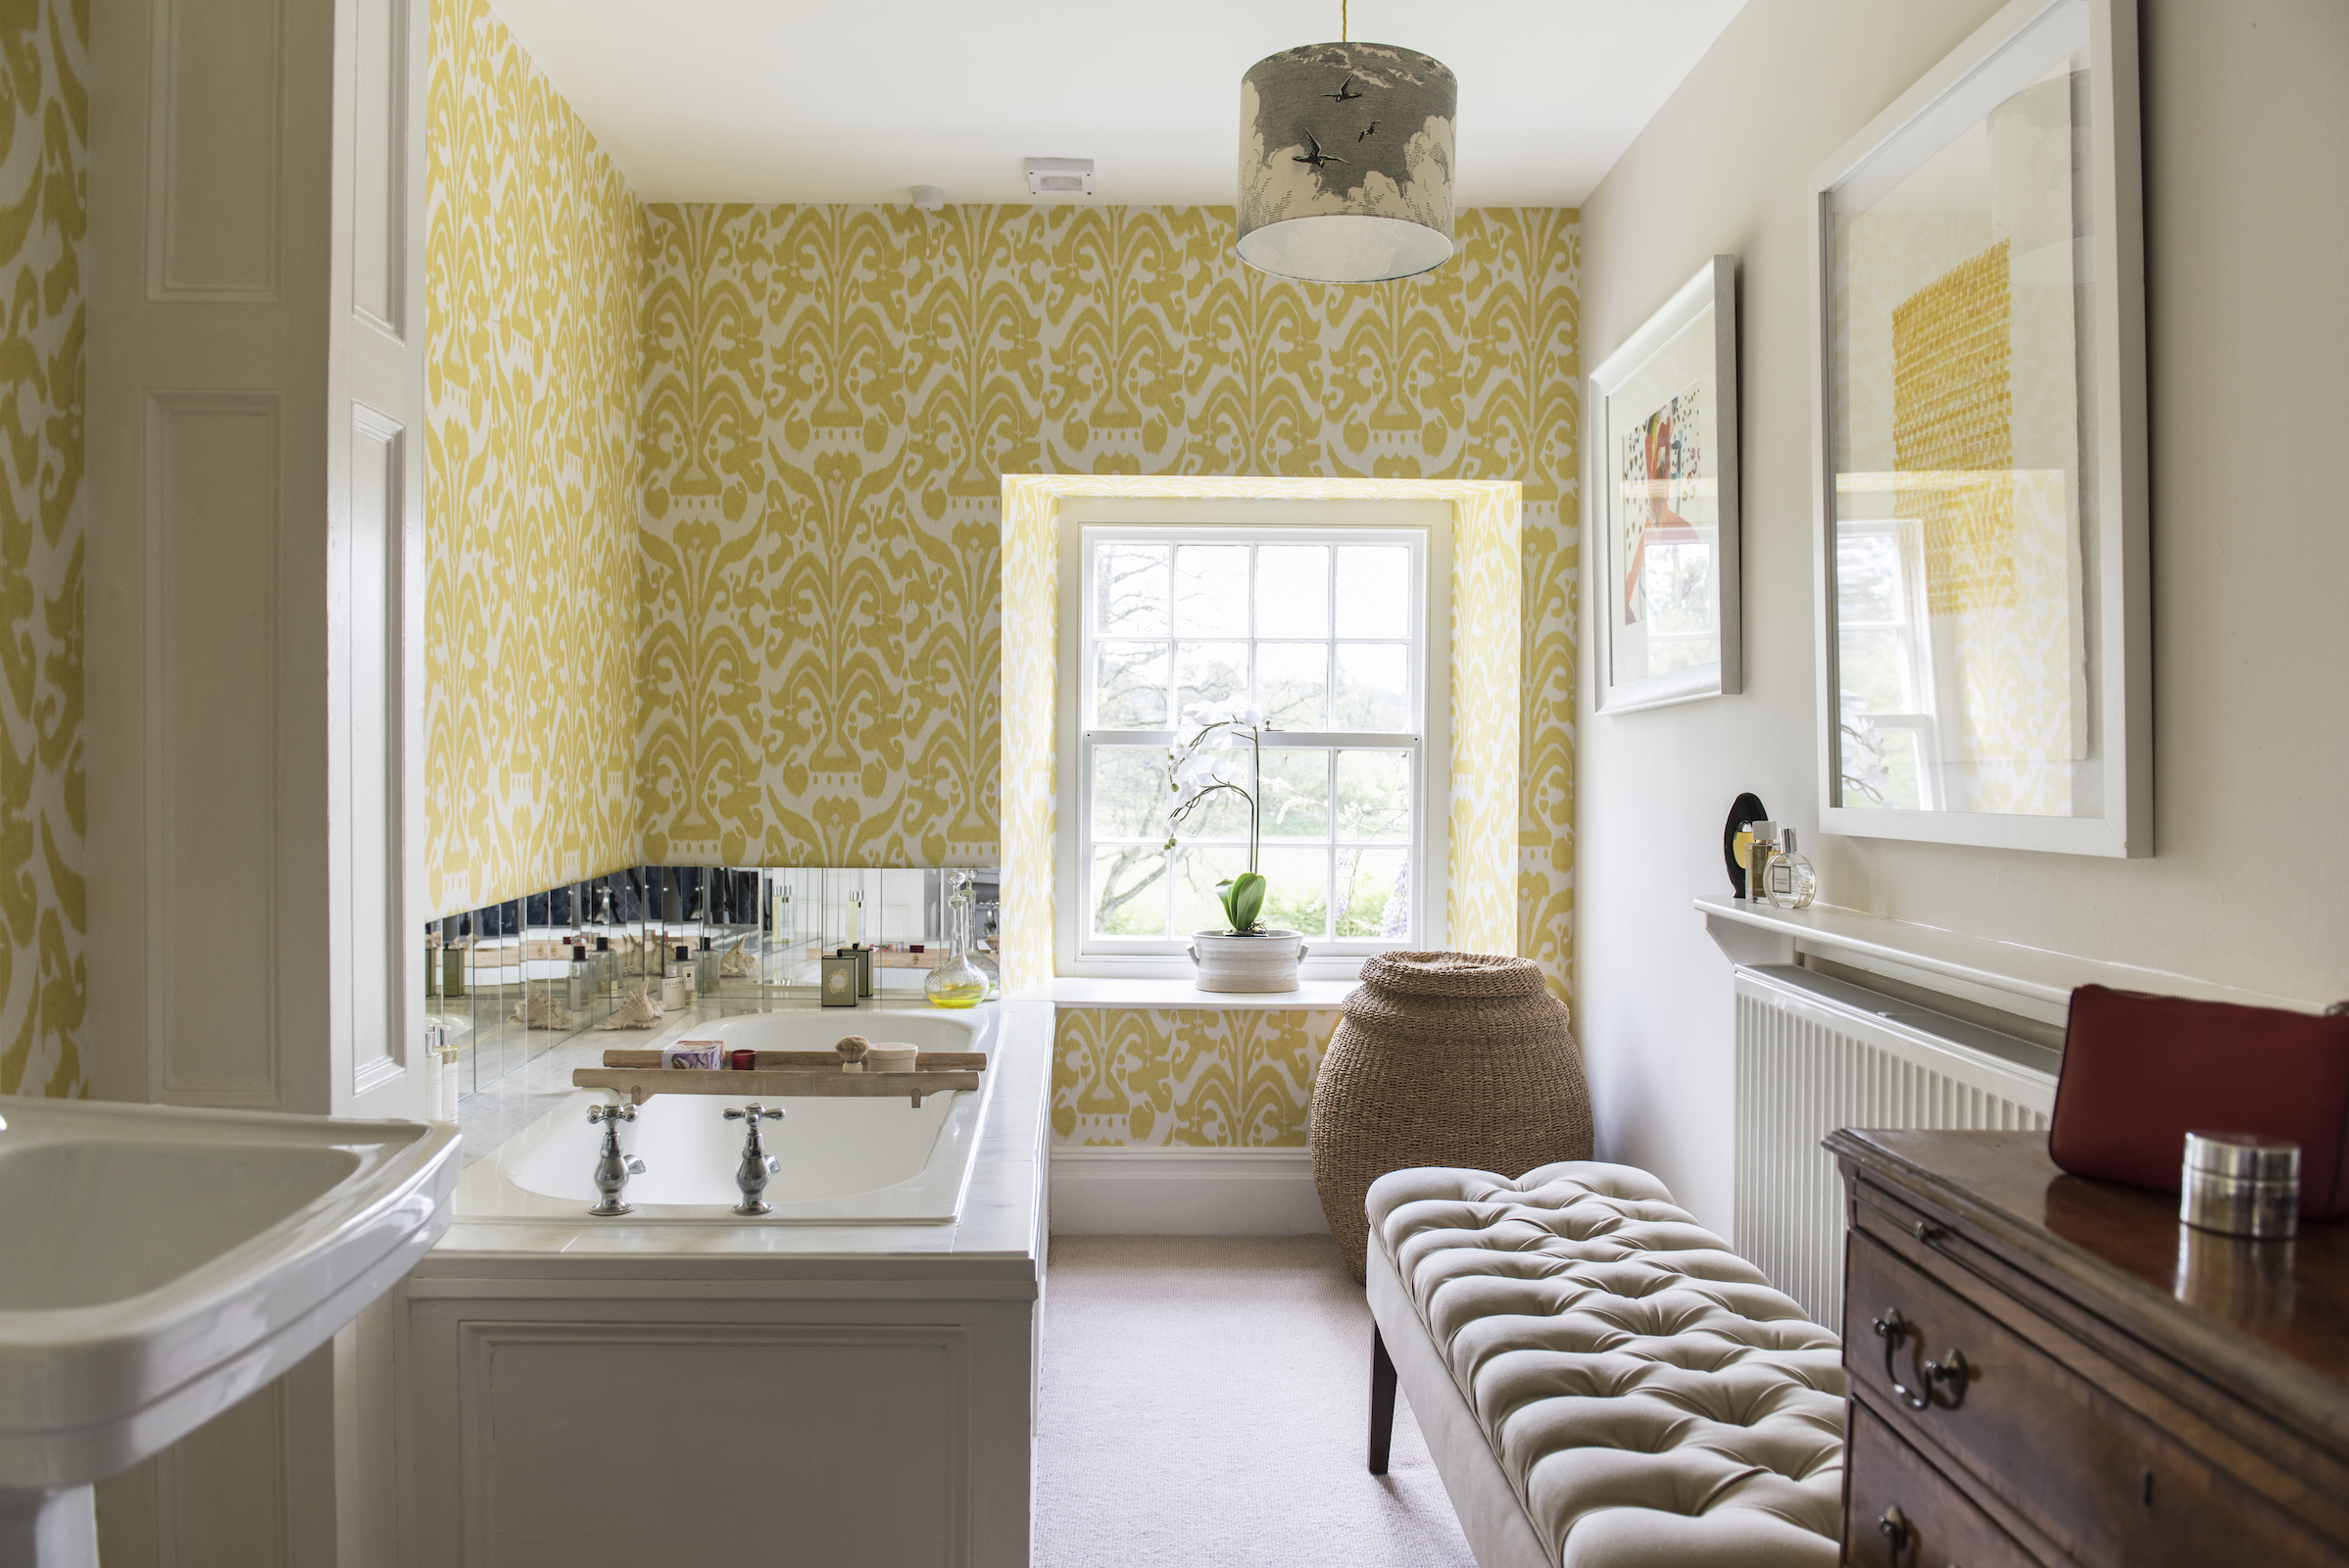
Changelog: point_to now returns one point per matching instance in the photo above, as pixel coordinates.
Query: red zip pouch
(2140, 1071)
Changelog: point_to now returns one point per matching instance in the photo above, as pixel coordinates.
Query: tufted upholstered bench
(1603, 1383)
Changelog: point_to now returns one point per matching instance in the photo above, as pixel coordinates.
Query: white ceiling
(840, 101)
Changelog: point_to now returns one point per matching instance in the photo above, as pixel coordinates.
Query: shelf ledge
(2035, 981)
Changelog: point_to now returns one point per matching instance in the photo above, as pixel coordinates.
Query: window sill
(1072, 991)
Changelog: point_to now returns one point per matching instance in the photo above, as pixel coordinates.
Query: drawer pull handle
(1929, 1233)
(1952, 1370)
(1894, 1528)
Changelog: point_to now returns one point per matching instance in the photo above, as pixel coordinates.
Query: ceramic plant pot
(1261, 961)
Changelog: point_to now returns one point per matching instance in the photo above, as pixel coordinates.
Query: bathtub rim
(916, 1201)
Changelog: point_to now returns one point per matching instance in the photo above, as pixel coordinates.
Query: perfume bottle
(955, 981)
(1788, 876)
(682, 968)
(1758, 850)
(705, 966)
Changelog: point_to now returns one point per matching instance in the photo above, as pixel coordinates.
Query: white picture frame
(2078, 778)
(1663, 439)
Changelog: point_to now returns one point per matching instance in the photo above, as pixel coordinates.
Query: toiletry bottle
(986, 921)
(1757, 862)
(954, 981)
(682, 968)
(1788, 877)
(582, 978)
(608, 968)
(443, 1069)
(705, 975)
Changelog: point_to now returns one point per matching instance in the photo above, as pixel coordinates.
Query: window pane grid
(1312, 641)
(1165, 634)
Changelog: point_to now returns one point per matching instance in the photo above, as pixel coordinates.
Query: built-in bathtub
(846, 1385)
(842, 1160)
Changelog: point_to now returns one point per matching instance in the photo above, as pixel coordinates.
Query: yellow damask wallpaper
(534, 252)
(44, 132)
(832, 397)
(1186, 1078)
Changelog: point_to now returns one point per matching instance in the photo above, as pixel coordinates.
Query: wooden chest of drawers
(2050, 1370)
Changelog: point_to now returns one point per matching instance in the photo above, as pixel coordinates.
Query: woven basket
(1442, 1058)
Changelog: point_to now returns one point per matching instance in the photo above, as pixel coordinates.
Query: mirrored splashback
(508, 982)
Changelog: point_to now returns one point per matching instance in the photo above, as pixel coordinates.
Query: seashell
(636, 1011)
(541, 1012)
(736, 963)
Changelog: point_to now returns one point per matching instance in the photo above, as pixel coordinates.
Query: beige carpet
(1207, 1403)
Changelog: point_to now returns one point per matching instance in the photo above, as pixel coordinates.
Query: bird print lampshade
(1346, 163)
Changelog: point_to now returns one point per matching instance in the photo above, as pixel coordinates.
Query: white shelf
(1071, 991)
(2037, 982)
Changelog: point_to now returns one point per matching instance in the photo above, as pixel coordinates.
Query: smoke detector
(1059, 176)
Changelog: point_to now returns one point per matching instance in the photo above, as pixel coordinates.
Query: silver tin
(2240, 1184)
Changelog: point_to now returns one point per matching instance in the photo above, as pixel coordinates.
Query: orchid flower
(1195, 769)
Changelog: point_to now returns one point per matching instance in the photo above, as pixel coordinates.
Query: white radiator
(1815, 1054)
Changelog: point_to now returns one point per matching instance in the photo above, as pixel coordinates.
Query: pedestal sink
(158, 1264)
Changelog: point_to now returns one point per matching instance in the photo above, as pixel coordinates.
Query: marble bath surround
(839, 1159)
(1006, 1169)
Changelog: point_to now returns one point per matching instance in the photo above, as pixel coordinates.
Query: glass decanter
(954, 981)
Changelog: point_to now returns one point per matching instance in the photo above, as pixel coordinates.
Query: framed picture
(1664, 483)
(1978, 258)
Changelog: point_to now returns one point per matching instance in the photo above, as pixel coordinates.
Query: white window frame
(1425, 526)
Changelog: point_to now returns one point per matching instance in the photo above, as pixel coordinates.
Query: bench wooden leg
(1382, 1402)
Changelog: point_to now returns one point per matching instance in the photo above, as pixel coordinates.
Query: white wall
(2247, 113)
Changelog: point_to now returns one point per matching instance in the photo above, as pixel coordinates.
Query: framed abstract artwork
(1979, 561)
(1664, 489)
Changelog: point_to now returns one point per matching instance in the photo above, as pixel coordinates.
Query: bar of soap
(694, 1054)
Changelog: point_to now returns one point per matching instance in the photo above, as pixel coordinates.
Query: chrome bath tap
(756, 1164)
(613, 1169)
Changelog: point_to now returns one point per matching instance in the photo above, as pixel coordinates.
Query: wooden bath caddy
(639, 1075)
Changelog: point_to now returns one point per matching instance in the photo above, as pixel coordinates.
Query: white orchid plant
(1195, 770)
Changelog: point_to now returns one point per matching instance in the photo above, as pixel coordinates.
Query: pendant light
(1346, 162)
